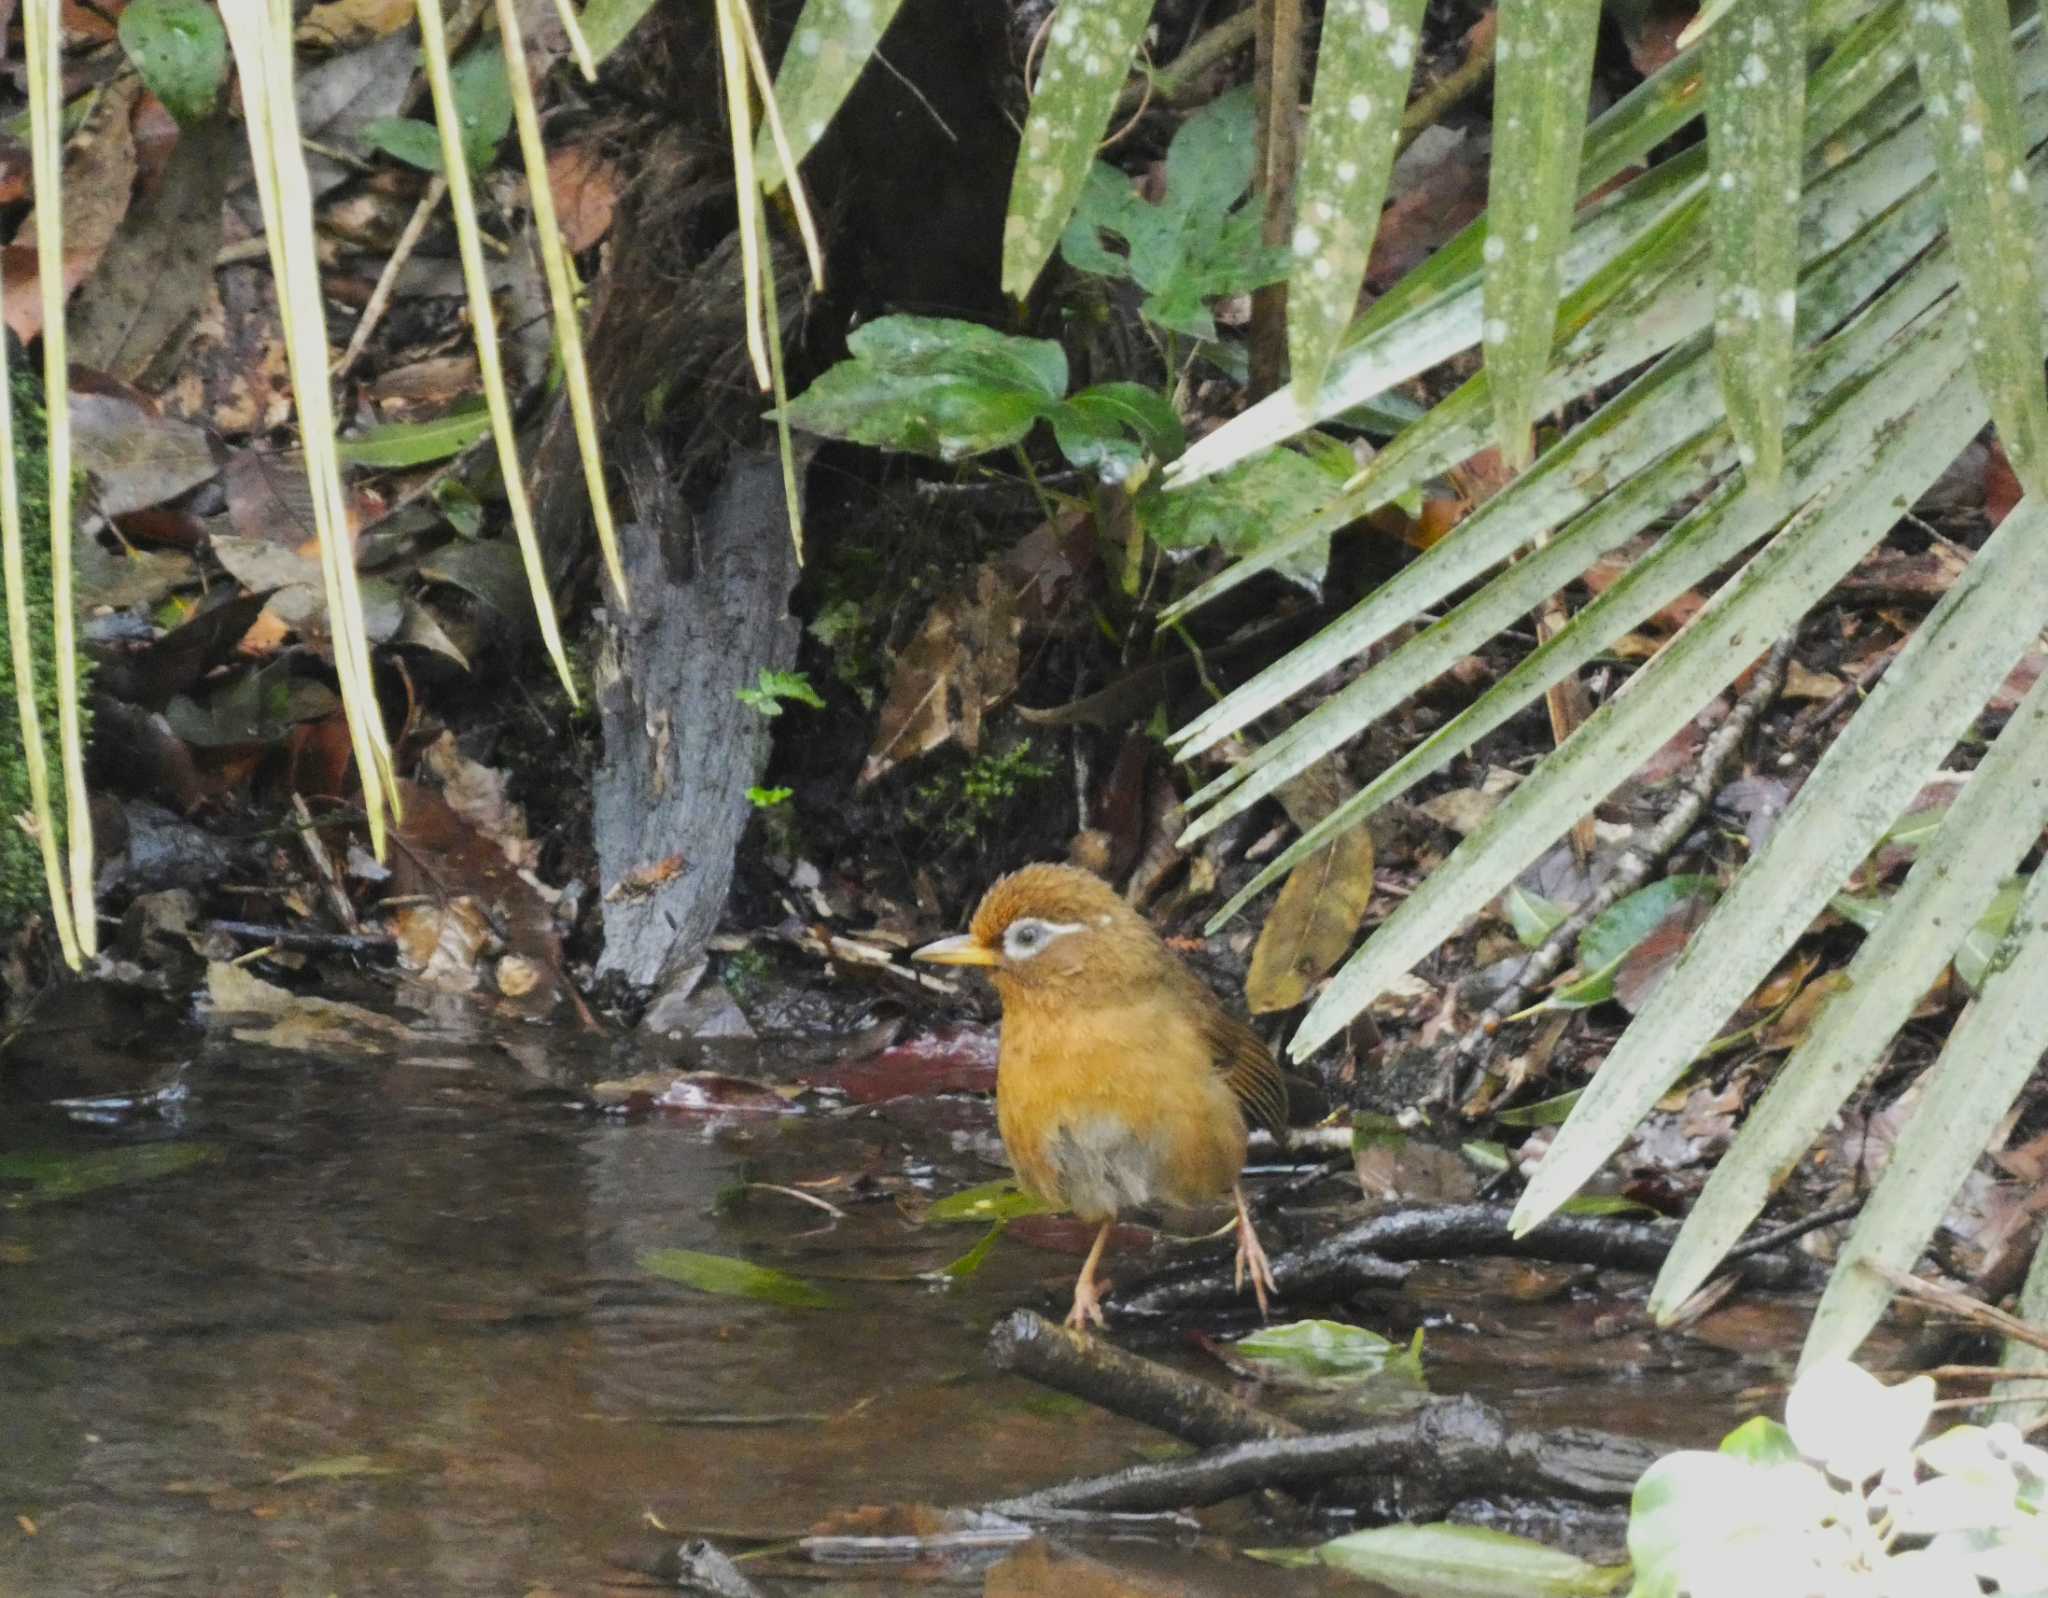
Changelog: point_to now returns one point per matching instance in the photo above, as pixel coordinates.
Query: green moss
(964, 802)
(21, 868)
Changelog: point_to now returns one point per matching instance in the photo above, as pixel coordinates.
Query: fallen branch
(1369, 1254)
(1128, 1384)
(1451, 1449)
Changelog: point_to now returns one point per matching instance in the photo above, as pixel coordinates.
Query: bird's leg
(1087, 1303)
(1251, 1256)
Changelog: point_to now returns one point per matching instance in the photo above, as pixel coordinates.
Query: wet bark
(669, 801)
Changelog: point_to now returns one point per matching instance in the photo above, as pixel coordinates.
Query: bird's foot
(1087, 1310)
(1251, 1258)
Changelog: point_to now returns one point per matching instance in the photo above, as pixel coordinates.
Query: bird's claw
(1251, 1259)
(1087, 1310)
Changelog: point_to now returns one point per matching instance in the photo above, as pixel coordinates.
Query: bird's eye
(1028, 937)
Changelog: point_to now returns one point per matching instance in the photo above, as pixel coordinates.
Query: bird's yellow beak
(960, 950)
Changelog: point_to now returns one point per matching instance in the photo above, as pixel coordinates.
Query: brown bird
(1121, 1081)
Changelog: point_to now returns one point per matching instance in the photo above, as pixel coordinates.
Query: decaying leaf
(962, 663)
(99, 179)
(300, 1022)
(1321, 903)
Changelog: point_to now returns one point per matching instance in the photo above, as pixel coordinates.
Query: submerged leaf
(44, 1177)
(1327, 1351)
(720, 1273)
(1449, 1561)
(992, 1201)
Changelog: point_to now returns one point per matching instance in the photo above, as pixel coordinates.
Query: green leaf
(1756, 101)
(483, 102)
(606, 23)
(1199, 241)
(1617, 931)
(1761, 1441)
(1363, 64)
(1539, 96)
(336, 1467)
(483, 107)
(457, 501)
(1693, 1510)
(1088, 52)
(1327, 1351)
(1532, 916)
(41, 1177)
(1862, 910)
(1604, 1204)
(1852, 464)
(404, 139)
(1544, 1112)
(1966, 70)
(401, 444)
(1451, 1561)
(772, 687)
(992, 1201)
(934, 386)
(972, 1261)
(718, 1273)
(1992, 821)
(181, 50)
(1869, 774)
(831, 45)
(1978, 955)
(768, 798)
(1111, 428)
(1238, 509)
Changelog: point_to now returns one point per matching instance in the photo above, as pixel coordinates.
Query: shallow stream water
(381, 1325)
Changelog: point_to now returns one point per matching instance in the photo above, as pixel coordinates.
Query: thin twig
(1175, 84)
(1430, 107)
(304, 939)
(387, 280)
(1778, 1237)
(1965, 1308)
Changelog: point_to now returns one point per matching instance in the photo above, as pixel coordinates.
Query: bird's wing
(1248, 1066)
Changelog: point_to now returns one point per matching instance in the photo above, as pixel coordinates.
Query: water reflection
(393, 1339)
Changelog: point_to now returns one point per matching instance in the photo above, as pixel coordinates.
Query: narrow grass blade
(1756, 99)
(1943, 675)
(1088, 50)
(1986, 1062)
(1860, 475)
(1966, 68)
(1999, 812)
(1363, 65)
(1540, 86)
(2025, 1404)
(831, 45)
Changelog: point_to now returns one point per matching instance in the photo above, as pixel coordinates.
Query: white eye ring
(1030, 936)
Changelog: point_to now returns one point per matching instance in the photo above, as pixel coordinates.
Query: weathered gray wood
(711, 610)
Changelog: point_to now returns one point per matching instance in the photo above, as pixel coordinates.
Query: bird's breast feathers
(1116, 1109)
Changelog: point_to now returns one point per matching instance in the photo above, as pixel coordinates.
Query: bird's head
(1055, 934)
